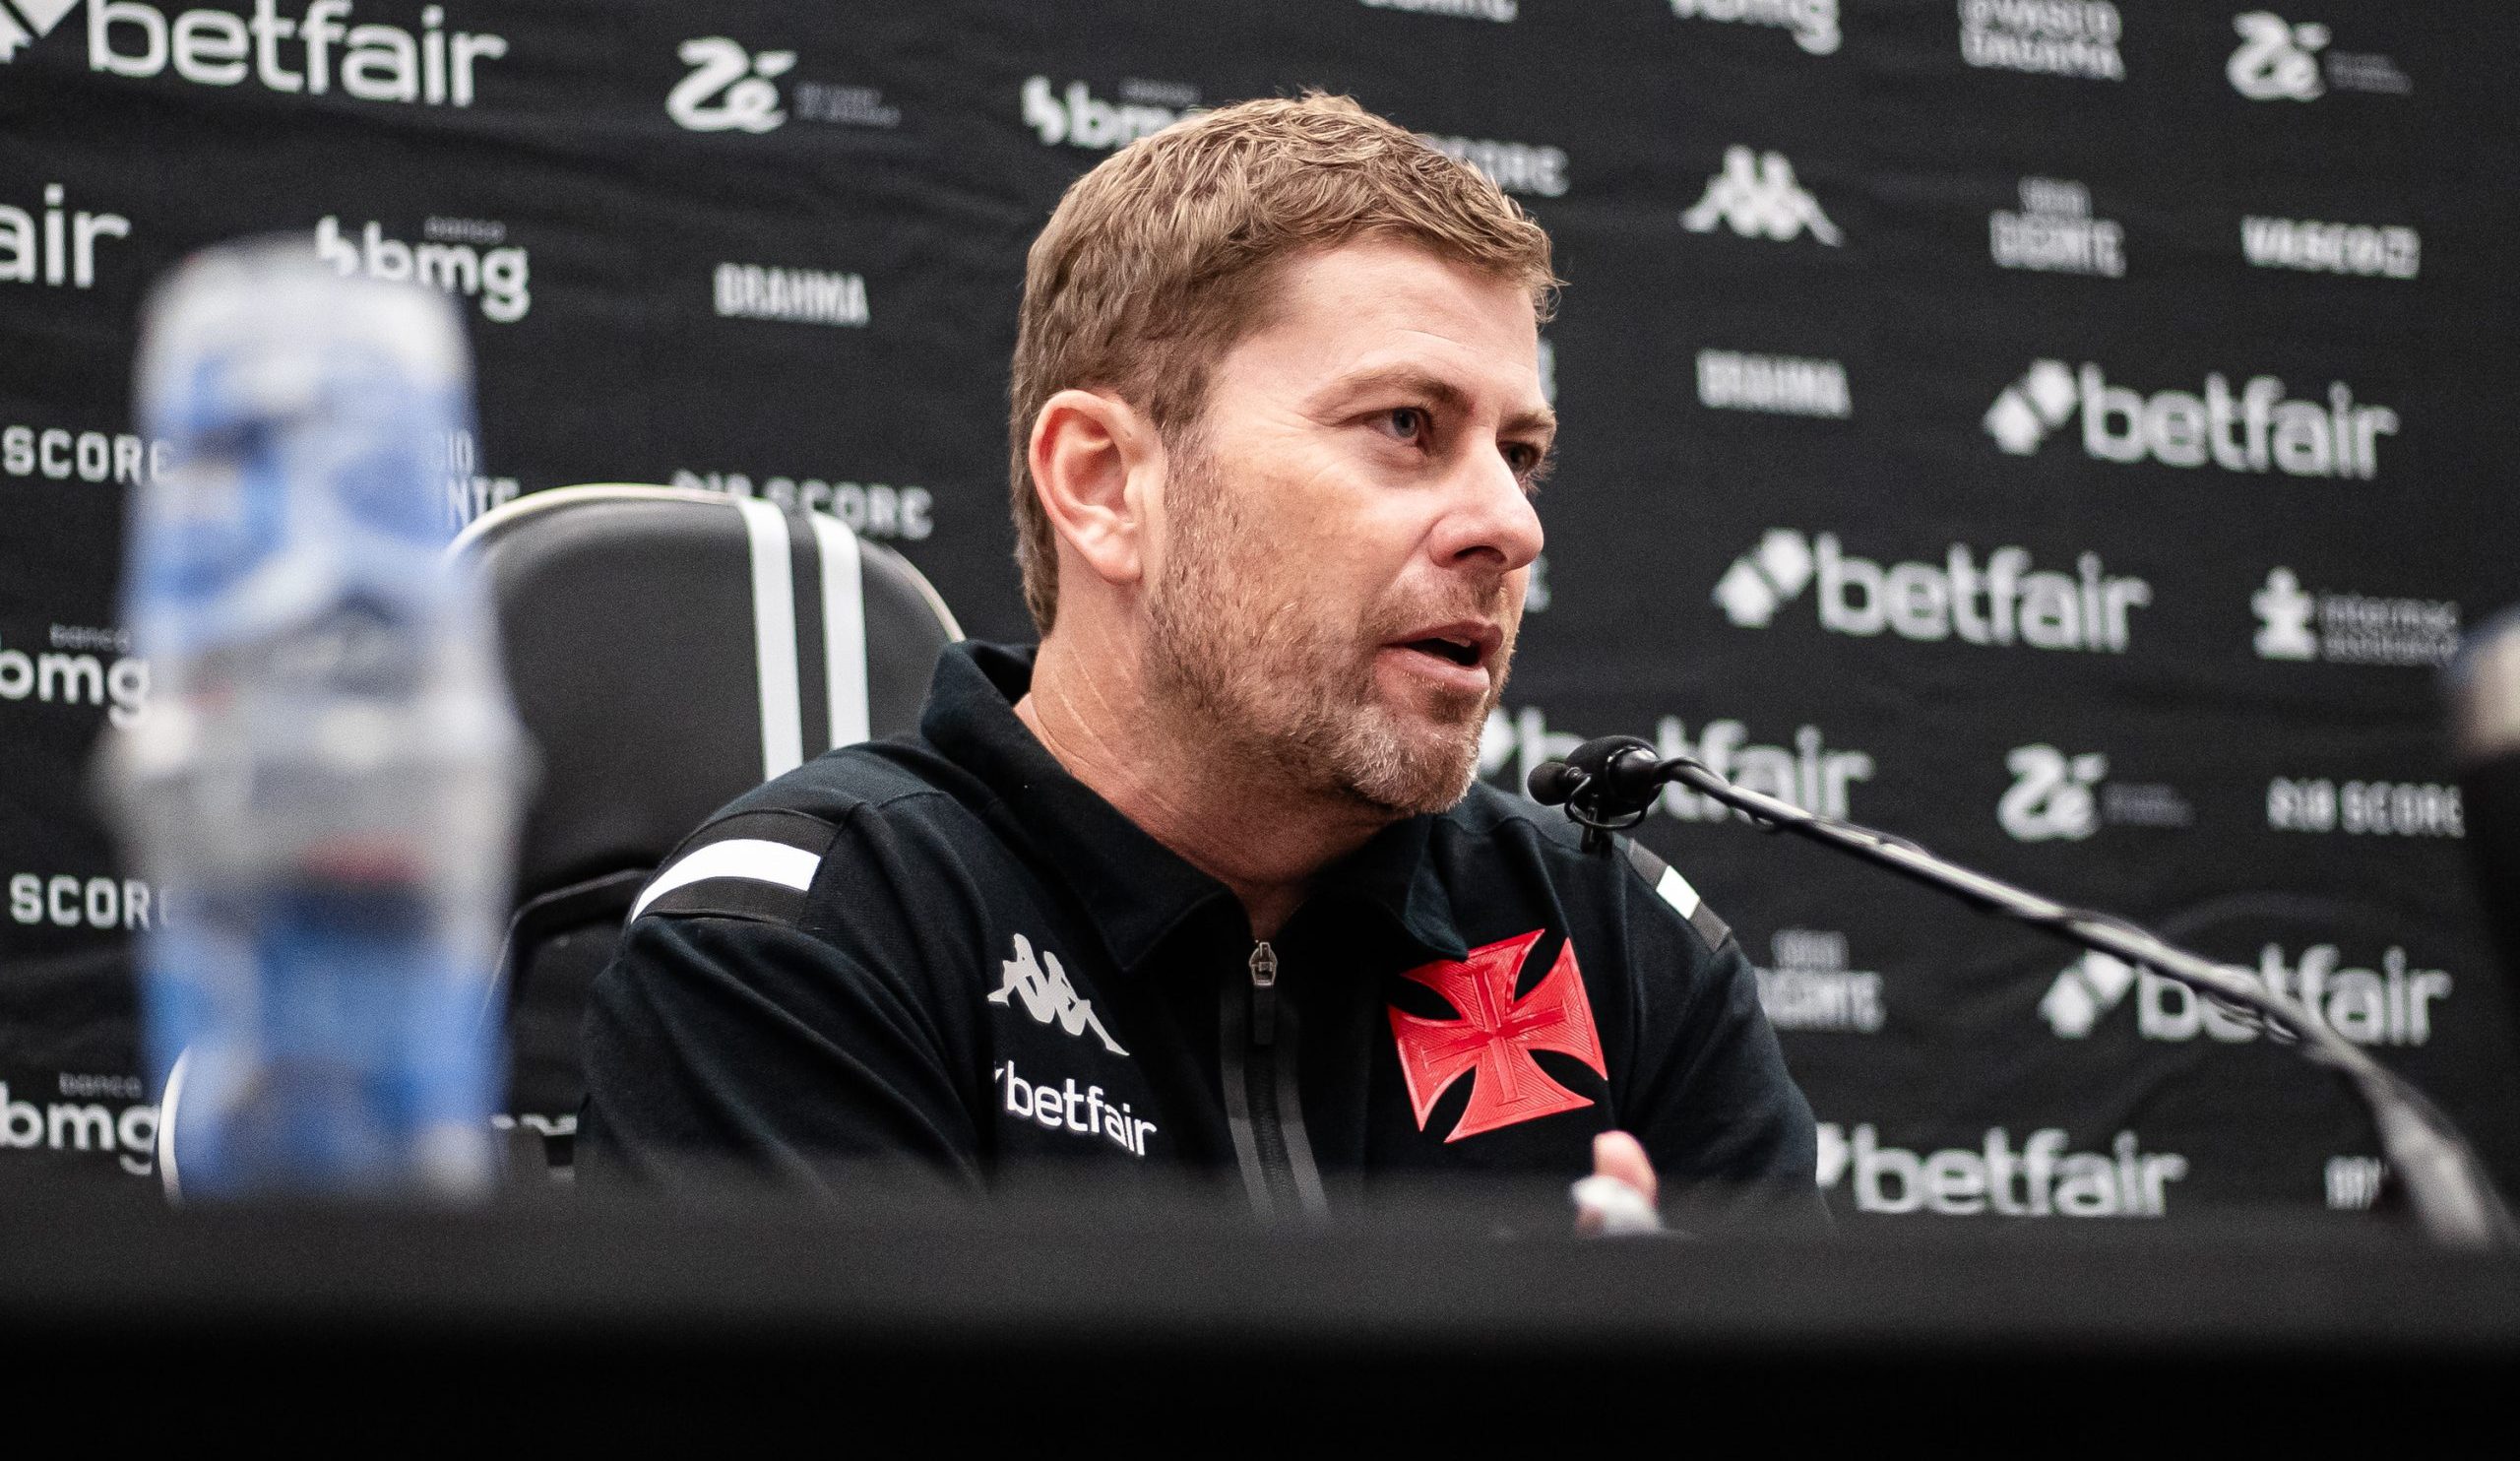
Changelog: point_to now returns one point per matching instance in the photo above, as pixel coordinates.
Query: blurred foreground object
(2484, 737)
(327, 784)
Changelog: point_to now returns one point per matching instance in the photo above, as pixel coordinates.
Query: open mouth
(1458, 651)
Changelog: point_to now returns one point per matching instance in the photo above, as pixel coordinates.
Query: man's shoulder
(1491, 822)
(762, 856)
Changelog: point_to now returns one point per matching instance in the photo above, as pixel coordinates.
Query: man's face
(1337, 585)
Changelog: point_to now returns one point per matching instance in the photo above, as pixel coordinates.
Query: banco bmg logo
(1073, 116)
(465, 257)
(1998, 603)
(2390, 1005)
(2253, 430)
(312, 53)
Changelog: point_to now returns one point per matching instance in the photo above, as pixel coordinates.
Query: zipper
(1264, 993)
(1259, 1085)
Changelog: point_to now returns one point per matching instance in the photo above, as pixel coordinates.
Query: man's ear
(1094, 460)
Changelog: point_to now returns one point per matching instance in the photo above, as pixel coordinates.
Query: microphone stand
(1607, 785)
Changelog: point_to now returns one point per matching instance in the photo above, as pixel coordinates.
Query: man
(1206, 882)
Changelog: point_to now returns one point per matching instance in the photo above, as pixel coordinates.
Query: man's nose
(1492, 517)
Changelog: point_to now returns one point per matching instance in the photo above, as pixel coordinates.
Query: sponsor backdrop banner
(2063, 431)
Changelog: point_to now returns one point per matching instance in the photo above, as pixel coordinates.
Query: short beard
(1237, 663)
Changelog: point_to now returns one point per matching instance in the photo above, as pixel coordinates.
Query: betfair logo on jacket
(1042, 985)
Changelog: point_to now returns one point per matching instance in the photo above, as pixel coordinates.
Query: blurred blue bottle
(326, 787)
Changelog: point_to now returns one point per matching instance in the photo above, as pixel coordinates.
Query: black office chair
(669, 650)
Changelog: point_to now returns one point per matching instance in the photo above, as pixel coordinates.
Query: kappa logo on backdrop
(1782, 385)
(1807, 772)
(1040, 983)
(375, 62)
(1807, 985)
(2391, 1005)
(2053, 38)
(734, 90)
(2057, 797)
(2352, 628)
(2394, 251)
(2037, 1179)
(2004, 603)
(2278, 61)
(1814, 23)
(2055, 233)
(1756, 196)
(1493, 1037)
(2248, 431)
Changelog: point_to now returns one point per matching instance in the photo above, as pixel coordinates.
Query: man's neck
(1263, 840)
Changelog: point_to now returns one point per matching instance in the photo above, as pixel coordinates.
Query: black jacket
(945, 948)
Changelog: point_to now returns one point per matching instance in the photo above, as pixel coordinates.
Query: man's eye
(1408, 422)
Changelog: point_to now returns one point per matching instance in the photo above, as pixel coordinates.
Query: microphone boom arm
(2453, 1201)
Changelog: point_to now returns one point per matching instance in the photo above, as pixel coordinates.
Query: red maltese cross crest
(1493, 1040)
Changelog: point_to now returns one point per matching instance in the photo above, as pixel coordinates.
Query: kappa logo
(1042, 983)
(729, 89)
(2249, 430)
(1756, 196)
(1495, 1038)
(2391, 1005)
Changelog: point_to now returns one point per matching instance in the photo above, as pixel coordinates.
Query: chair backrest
(668, 650)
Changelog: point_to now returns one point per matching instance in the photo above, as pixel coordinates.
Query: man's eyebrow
(1434, 388)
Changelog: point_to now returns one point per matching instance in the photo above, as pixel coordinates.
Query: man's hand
(1619, 1196)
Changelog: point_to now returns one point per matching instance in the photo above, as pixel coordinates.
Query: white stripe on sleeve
(749, 857)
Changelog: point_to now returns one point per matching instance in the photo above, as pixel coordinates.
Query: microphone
(1607, 784)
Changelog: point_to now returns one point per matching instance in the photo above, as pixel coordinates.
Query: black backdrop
(2062, 431)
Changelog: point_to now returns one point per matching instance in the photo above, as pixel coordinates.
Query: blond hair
(1159, 261)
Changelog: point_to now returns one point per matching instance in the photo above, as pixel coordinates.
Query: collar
(1137, 890)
